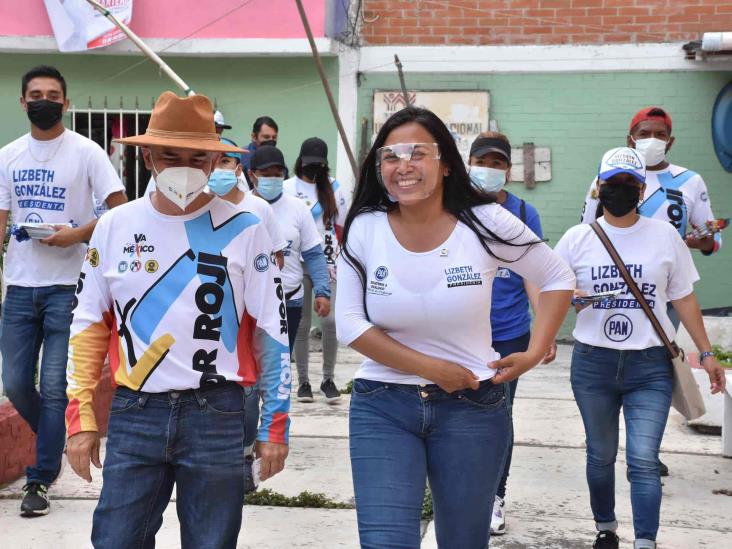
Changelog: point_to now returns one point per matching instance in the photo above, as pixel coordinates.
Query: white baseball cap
(219, 121)
(622, 160)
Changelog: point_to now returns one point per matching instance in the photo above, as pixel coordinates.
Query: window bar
(137, 151)
(106, 143)
(89, 119)
(121, 148)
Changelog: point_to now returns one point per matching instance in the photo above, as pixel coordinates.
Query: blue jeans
(402, 435)
(252, 404)
(505, 348)
(32, 317)
(193, 439)
(603, 381)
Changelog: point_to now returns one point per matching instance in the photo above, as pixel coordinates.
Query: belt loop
(199, 398)
(142, 401)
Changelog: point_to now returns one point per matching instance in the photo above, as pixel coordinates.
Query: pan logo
(261, 263)
(618, 328)
(381, 273)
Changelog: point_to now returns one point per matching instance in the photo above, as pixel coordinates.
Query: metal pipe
(144, 47)
(398, 63)
(326, 86)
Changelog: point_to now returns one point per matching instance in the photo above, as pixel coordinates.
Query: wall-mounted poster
(466, 113)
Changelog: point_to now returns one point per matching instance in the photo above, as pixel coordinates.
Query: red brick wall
(503, 22)
(18, 443)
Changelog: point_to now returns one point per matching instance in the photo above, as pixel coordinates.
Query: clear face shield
(408, 171)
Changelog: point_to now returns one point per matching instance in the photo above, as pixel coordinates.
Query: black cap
(485, 145)
(267, 156)
(313, 151)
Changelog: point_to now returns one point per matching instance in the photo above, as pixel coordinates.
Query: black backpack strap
(522, 211)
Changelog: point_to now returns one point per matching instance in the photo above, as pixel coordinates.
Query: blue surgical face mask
(222, 181)
(490, 180)
(270, 188)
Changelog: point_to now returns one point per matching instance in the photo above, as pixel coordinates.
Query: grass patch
(310, 500)
(269, 498)
(428, 513)
(724, 357)
(348, 389)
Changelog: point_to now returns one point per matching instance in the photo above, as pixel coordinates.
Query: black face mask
(619, 198)
(44, 114)
(311, 172)
(270, 142)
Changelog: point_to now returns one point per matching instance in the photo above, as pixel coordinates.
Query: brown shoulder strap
(633, 287)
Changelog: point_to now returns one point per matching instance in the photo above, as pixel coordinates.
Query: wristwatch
(704, 355)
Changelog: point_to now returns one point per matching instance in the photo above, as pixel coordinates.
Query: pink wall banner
(77, 26)
(176, 19)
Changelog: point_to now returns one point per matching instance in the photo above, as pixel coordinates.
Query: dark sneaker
(606, 540)
(35, 500)
(249, 485)
(305, 393)
(331, 392)
(662, 469)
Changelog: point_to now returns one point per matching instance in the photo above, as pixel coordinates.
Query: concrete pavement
(547, 504)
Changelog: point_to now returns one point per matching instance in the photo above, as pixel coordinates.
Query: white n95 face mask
(181, 185)
(652, 149)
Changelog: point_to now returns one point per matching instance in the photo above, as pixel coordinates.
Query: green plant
(428, 512)
(724, 357)
(348, 389)
(269, 498)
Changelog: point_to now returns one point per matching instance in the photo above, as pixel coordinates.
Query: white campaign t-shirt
(675, 195)
(658, 260)
(51, 182)
(308, 193)
(436, 302)
(300, 234)
(263, 210)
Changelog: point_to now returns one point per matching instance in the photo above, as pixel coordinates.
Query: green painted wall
(580, 116)
(288, 90)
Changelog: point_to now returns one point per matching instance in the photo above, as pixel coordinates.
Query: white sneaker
(498, 520)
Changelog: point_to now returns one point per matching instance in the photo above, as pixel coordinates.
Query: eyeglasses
(392, 155)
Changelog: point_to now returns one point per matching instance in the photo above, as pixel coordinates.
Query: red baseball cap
(650, 113)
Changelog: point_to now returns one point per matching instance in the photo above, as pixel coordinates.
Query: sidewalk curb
(17, 441)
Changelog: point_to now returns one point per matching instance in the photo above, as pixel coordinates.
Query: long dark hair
(459, 196)
(326, 196)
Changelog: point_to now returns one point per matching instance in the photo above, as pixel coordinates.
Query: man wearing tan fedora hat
(178, 286)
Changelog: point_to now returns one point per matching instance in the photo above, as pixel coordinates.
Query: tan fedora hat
(182, 123)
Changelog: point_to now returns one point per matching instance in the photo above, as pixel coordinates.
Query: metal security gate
(105, 124)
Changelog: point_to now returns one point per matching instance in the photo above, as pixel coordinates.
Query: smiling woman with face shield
(420, 250)
(490, 170)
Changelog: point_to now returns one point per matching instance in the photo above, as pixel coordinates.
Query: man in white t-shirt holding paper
(47, 179)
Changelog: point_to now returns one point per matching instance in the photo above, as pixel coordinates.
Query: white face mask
(490, 180)
(181, 185)
(652, 149)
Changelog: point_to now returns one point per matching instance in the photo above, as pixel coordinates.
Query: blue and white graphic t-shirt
(674, 194)
(663, 271)
(51, 182)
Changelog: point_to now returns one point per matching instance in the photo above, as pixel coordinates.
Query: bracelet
(704, 355)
